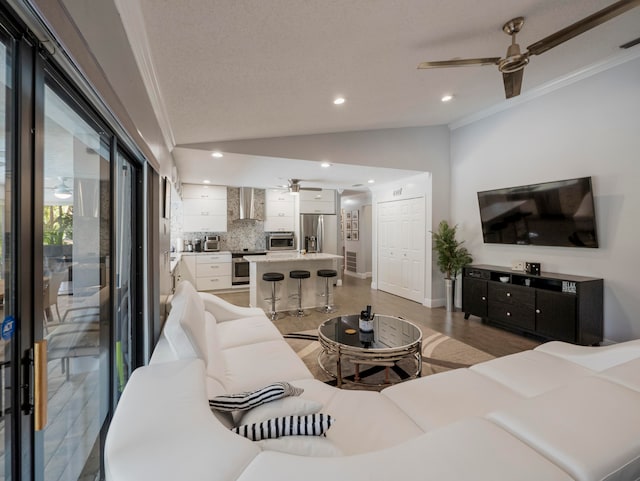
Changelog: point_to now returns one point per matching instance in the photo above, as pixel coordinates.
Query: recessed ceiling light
(371, 181)
(326, 165)
(447, 98)
(216, 154)
(206, 181)
(338, 100)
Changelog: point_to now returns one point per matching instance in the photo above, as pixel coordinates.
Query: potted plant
(452, 257)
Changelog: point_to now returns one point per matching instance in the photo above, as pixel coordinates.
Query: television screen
(557, 213)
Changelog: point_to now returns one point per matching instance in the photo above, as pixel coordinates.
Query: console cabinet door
(556, 315)
(474, 297)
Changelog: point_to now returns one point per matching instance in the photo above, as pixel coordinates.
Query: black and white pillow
(248, 400)
(310, 425)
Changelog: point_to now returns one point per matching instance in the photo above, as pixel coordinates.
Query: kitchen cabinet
(207, 272)
(317, 201)
(205, 208)
(279, 212)
(551, 306)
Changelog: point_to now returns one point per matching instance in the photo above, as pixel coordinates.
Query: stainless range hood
(248, 209)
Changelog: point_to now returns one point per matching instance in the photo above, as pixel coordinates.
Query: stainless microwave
(281, 241)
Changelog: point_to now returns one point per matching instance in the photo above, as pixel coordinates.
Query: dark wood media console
(551, 306)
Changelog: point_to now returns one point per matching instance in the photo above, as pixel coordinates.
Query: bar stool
(297, 274)
(273, 277)
(327, 274)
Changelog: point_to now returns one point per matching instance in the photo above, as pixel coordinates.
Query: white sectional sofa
(558, 412)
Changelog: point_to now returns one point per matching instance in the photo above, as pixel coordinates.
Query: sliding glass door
(71, 269)
(8, 418)
(76, 273)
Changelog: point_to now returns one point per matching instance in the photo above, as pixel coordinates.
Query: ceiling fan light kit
(512, 65)
(62, 191)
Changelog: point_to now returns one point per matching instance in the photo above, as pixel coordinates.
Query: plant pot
(450, 288)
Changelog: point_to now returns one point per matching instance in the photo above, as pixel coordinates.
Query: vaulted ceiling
(220, 70)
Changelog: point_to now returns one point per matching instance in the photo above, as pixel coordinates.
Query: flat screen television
(559, 213)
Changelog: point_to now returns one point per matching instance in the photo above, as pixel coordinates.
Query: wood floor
(355, 294)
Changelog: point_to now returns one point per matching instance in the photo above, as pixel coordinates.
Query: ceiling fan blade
(460, 63)
(317, 189)
(512, 83)
(582, 26)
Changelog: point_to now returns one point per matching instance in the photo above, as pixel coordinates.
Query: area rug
(439, 353)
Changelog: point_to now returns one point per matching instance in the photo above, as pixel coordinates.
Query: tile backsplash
(241, 234)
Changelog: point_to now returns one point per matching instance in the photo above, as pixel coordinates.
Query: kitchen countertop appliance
(280, 241)
(211, 243)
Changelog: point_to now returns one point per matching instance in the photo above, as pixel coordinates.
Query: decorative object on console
(452, 257)
(533, 268)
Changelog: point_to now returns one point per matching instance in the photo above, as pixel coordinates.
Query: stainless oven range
(240, 267)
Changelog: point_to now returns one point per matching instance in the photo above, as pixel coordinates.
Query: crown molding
(548, 87)
(133, 23)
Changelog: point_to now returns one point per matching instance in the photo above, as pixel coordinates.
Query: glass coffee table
(392, 340)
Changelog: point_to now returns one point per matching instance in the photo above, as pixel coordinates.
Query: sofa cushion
(176, 337)
(250, 399)
(163, 429)
(251, 367)
(590, 428)
(313, 446)
(472, 449)
(530, 373)
(627, 374)
(367, 421)
(185, 327)
(247, 330)
(216, 365)
(434, 401)
(596, 358)
(310, 425)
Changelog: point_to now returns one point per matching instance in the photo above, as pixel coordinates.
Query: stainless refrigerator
(312, 232)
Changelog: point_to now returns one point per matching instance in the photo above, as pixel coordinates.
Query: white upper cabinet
(279, 212)
(197, 191)
(318, 202)
(205, 208)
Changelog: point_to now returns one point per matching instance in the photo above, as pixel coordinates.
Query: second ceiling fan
(512, 65)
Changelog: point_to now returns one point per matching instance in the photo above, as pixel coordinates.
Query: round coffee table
(393, 339)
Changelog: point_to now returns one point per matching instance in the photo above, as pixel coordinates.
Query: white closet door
(401, 244)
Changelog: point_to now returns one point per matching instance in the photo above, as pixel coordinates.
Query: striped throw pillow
(248, 400)
(310, 425)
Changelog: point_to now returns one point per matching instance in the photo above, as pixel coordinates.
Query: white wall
(589, 128)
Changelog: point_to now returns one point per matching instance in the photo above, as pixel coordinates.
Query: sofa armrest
(225, 311)
(596, 358)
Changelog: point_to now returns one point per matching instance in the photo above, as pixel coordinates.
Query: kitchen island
(283, 262)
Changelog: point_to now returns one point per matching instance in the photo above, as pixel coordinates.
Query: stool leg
(300, 312)
(326, 294)
(327, 308)
(274, 314)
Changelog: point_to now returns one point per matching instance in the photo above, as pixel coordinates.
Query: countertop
(185, 253)
(291, 256)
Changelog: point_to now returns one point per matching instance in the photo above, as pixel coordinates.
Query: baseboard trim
(359, 275)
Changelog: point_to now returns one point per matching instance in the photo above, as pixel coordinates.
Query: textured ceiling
(237, 69)
(222, 70)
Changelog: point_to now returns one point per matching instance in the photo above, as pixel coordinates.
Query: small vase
(450, 293)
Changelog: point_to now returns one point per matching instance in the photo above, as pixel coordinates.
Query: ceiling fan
(512, 65)
(294, 186)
